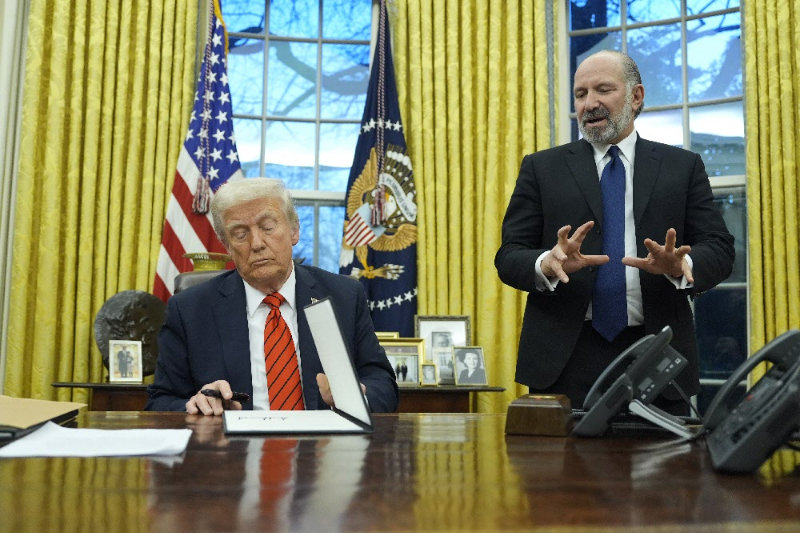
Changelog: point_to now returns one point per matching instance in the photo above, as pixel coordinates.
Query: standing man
(610, 236)
(214, 336)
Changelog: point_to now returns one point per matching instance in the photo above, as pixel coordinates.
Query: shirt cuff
(542, 282)
(681, 282)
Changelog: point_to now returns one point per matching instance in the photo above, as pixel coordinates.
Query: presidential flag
(208, 159)
(380, 228)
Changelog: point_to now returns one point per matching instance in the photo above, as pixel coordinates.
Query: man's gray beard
(614, 126)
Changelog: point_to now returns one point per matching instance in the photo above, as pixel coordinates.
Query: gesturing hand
(566, 257)
(664, 259)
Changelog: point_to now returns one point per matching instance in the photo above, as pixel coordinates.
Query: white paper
(288, 422)
(52, 440)
(345, 388)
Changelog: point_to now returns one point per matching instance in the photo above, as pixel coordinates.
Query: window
(690, 56)
(298, 73)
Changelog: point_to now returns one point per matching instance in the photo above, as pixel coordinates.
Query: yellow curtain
(772, 92)
(475, 95)
(107, 95)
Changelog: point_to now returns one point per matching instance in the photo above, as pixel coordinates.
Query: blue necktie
(609, 307)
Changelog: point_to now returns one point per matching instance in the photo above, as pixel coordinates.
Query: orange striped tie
(283, 375)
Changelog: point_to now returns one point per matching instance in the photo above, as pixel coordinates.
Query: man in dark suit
(667, 199)
(213, 336)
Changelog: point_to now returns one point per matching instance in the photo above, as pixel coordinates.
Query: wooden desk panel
(440, 399)
(417, 472)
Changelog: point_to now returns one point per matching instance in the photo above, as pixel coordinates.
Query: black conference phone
(634, 379)
(742, 436)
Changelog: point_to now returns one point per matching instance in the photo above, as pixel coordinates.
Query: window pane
(295, 18)
(649, 11)
(586, 14)
(661, 126)
(331, 223)
(697, 7)
(337, 145)
(248, 144)
(292, 80)
(327, 224)
(721, 330)
(345, 77)
(657, 51)
(289, 153)
(717, 134)
(243, 15)
(347, 19)
(245, 68)
(732, 205)
(714, 52)
(304, 249)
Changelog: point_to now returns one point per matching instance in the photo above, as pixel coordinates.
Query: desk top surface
(416, 472)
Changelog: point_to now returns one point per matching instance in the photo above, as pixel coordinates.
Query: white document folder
(351, 414)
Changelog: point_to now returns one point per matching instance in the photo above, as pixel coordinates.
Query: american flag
(208, 159)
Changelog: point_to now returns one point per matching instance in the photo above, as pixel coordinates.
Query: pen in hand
(240, 397)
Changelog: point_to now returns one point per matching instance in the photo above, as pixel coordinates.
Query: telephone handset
(646, 367)
(742, 436)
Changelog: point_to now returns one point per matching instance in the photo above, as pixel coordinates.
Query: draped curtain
(106, 98)
(476, 93)
(772, 93)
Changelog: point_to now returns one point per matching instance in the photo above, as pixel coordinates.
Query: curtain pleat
(474, 94)
(107, 94)
(772, 90)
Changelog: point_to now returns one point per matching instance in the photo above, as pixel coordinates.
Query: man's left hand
(664, 259)
(325, 389)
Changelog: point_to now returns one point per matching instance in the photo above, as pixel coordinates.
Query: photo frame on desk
(124, 361)
(406, 356)
(430, 375)
(470, 365)
(441, 333)
(387, 334)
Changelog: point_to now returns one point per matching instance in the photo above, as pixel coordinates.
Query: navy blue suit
(560, 186)
(205, 338)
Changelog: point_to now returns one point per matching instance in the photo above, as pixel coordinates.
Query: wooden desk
(440, 399)
(416, 472)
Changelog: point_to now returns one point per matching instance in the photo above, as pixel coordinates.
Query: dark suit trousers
(591, 356)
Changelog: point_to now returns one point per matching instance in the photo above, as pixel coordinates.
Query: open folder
(351, 414)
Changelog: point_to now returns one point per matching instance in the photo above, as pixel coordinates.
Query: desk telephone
(741, 437)
(634, 379)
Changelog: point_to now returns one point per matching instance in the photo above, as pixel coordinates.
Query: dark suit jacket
(205, 338)
(560, 186)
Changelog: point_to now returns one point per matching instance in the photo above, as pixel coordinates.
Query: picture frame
(429, 375)
(441, 333)
(124, 361)
(405, 355)
(387, 334)
(470, 365)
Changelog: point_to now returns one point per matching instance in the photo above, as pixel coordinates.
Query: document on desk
(52, 440)
(351, 414)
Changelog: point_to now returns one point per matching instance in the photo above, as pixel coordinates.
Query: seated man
(214, 334)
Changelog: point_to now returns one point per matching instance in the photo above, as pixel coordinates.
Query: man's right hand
(206, 405)
(566, 258)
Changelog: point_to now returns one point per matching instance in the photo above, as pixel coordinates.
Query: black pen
(240, 397)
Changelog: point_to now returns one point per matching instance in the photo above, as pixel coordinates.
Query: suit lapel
(230, 313)
(580, 160)
(646, 170)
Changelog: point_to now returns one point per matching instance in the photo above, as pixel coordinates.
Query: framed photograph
(387, 334)
(430, 375)
(125, 361)
(470, 365)
(441, 333)
(405, 356)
